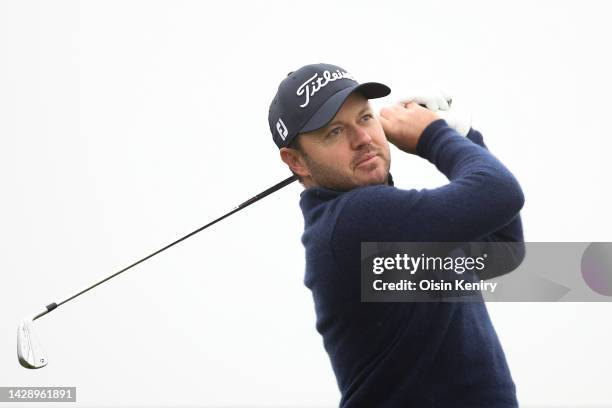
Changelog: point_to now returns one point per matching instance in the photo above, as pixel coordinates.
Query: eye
(335, 132)
(366, 117)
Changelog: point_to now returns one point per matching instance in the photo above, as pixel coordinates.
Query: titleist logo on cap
(310, 87)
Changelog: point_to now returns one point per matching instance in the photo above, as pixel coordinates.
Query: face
(351, 151)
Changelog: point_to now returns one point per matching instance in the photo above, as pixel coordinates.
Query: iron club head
(29, 350)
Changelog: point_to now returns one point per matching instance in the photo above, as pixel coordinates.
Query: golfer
(410, 354)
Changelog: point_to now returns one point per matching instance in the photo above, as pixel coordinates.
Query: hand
(461, 121)
(440, 101)
(435, 100)
(404, 124)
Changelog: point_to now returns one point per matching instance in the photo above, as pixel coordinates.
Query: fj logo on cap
(310, 87)
(281, 128)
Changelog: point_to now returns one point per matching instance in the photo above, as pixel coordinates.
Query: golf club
(29, 351)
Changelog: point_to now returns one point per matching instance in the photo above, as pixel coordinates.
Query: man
(441, 354)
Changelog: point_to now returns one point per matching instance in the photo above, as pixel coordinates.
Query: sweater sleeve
(482, 197)
(508, 247)
(511, 232)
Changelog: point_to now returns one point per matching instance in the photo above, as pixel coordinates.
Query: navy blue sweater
(442, 354)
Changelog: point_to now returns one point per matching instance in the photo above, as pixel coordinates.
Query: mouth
(365, 159)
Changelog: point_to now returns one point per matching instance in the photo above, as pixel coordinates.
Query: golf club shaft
(248, 202)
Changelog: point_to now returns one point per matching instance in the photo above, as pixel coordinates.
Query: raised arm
(511, 232)
(481, 197)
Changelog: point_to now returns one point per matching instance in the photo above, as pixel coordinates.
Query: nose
(360, 137)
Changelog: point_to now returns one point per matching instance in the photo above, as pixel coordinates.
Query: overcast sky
(127, 124)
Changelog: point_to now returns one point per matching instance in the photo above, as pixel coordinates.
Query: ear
(295, 161)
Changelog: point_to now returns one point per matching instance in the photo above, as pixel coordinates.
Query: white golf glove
(440, 101)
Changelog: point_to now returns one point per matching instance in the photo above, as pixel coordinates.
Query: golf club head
(29, 350)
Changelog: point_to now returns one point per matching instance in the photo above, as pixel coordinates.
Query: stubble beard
(329, 177)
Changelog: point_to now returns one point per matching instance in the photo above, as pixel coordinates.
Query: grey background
(126, 124)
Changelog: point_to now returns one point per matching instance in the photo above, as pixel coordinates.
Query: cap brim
(328, 110)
